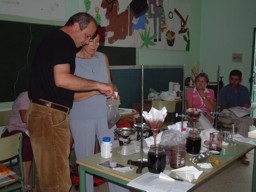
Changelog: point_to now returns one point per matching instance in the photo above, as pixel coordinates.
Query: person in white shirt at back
(17, 124)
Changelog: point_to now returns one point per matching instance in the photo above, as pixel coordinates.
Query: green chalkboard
(18, 43)
(120, 55)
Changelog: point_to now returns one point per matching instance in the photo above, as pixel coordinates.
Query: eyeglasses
(201, 81)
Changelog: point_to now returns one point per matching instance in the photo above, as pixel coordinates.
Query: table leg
(82, 185)
(254, 172)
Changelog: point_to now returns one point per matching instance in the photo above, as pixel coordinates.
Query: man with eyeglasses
(51, 92)
(232, 95)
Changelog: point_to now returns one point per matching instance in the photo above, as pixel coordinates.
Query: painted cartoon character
(119, 23)
(156, 13)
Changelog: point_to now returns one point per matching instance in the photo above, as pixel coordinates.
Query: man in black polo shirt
(51, 91)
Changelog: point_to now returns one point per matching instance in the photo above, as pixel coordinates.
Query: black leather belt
(51, 105)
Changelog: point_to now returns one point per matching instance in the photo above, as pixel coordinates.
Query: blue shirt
(229, 98)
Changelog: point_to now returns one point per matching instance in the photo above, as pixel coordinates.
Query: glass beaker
(215, 142)
(156, 159)
(177, 156)
(193, 144)
(226, 136)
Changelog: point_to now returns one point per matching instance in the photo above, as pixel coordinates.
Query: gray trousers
(84, 133)
(242, 123)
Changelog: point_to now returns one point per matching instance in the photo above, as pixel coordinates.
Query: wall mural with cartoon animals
(163, 25)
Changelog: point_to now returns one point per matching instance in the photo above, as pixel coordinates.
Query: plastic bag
(204, 123)
(153, 94)
(113, 111)
(172, 138)
(168, 95)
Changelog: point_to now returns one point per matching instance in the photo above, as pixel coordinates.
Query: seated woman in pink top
(201, 97)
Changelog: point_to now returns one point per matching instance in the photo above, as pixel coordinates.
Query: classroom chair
(11, 155)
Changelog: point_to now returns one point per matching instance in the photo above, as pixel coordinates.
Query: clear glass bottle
(156, 159)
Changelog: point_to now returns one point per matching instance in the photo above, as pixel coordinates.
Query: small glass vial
(215, 143)
(106, 148)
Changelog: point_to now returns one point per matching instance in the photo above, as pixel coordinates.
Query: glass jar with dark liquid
(193, 144)
(156, 159)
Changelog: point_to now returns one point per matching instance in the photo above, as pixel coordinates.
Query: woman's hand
(201, 93)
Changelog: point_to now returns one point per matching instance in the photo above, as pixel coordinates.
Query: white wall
(226, 28)
(51, 12)
(189, 59)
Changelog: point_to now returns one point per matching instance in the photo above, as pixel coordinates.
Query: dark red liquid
(156, 161)
(177, 158)
(194, 116)
(193, 145)
(215, 148)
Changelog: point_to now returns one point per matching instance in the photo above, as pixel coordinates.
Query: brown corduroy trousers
(50, 138)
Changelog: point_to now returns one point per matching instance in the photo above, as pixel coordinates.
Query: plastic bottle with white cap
(106, 147)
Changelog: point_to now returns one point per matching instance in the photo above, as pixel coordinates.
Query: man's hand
(106, 89)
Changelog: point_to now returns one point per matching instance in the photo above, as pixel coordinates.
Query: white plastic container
(106, 147)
